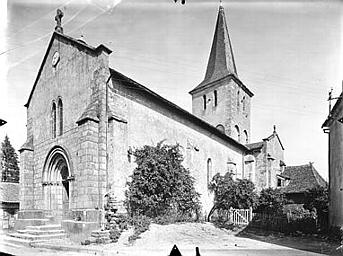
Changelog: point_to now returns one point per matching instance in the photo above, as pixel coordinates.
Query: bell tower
(221, 99)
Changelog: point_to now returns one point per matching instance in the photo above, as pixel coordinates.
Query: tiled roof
(302, 178)
(9, 192)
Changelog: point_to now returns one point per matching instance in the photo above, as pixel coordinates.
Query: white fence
(236, 216)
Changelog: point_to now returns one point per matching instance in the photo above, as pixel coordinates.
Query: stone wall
(335, 168)
(226, 112)
(79, 73)
(143, 120)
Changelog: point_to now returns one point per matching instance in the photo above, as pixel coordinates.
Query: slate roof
(302, 177)
(9, 192)
(221, 63)
(175, 108)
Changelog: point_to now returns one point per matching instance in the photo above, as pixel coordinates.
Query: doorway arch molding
(56, 159)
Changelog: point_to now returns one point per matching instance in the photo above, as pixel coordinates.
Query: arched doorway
(56, 184)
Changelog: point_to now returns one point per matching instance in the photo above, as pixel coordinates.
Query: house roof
(79, 43)
(221, 63)
(333, 112)
(302, 178)
(259, 144)
(9, 192)
(176, 109)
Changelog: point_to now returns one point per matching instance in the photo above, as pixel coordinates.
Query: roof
(221, 63)
(259, 144)
(28, 145)
(176, 109)
(9, 192)
(255, 146)
(333, 111)
(302, 178)
(96, 50)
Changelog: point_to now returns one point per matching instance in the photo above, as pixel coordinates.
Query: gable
(71, 80)
(79, 44)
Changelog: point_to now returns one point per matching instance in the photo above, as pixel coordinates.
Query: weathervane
(58, 19)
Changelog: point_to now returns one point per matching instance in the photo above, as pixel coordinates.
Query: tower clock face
(55, 59)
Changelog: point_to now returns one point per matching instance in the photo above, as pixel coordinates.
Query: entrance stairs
(34, 234)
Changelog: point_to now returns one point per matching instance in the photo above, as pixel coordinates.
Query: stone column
(26, 194)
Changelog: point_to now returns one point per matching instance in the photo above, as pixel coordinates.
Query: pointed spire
(221, 61)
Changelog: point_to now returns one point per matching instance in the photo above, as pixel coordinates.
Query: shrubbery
(161, 189)
(231, 193)
(160, 184)
(271, 201)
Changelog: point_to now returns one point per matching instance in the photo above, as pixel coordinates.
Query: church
(84, 119)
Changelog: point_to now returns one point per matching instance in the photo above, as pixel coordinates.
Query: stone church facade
(84, 119)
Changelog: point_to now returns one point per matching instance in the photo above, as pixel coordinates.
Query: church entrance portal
(56, 184)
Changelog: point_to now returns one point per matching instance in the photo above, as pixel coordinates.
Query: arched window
(215, 95)
(60, 117)
(221, 128)
(209, 170)
(244, 103)
(204, 99)
(238, 135)
(246, 136)
(53, 120)
(238, 101)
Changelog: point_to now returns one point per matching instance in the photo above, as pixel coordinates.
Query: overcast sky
(287, 52)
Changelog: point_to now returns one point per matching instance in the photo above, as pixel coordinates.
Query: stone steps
(45, 227)
(10, 241)
(37, 237)
(35, 234)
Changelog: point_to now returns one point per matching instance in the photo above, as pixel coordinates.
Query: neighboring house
(9, 198)
(269, 157)
(301, 179)
(333, 126)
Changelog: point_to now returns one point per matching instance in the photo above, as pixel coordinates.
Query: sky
(288, 53)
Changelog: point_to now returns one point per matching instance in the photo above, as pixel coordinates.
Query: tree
(160, 184)
(9, 162)
(271, 201)
(229, 193)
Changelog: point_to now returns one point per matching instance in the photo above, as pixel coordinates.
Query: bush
(271, 201)
(317, 200)
(229, 193)
(161, 184)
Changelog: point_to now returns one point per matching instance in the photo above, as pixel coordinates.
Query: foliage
(9, 162)
(317, 199)
(271, 201)
(141, 224)
(160, 183)
(229, 193)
